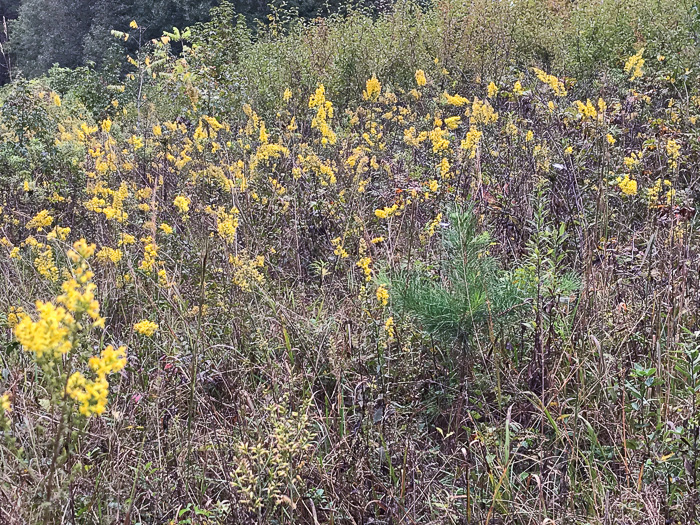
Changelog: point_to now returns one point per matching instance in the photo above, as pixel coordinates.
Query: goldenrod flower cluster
(40, 221)
(324, 113)
(673, 149)
(372, 89)
(587, 109)
(455, 100)
(552, 81)
(5, 404)
(227, 223)
(150, 255)
(91, 394)
(182, 203)
(49, 334)
(146, 327)
(107, 254)
(382, 295)
(58, 327)
(634, 65)
(364, 263)
(627, 186)
(655, 192)
(246, 270)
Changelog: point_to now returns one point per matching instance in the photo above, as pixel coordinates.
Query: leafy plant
(467, 292)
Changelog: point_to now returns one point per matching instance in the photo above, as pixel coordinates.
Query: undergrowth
(431, 266)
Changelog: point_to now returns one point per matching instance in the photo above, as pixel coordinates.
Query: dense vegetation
(38, 34)
(425, 265)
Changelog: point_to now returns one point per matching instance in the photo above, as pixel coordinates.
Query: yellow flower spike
(107, 254)
(386, 212)
(455, 100)
(339, 250)
(5, 404)
(91, 396)
(40, 221)
(634, 65)
(471, 141)
(372, 89)
(492, 90)
(364, 264)
(146, 327)
(420, 78)
(324, 112)
(109, 362)
(627, 186)
(552, 81)
(382, 295)
(389, 327)
(452, 123)
(182, 203)
(50, 334)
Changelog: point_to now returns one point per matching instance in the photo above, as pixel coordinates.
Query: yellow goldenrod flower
(627, 186)
(387, 211)
(182, 203)
(634, 65)
(492, 90)
(452, 123)
(455, 100)
(338, 248)
(5, 405)
(50, 334)
(552, 81)
(382, 295)
(586, 110)
(482, 113)
(40, 221)
(107, 254)
(372, 89)
(324, 112)
(364, 263)
(471, 141)
(109, 362)
(146, 327)
(15, 315)
(90, 395)
(673, 149)
(389, 328)
(438, 138)
(227, 223)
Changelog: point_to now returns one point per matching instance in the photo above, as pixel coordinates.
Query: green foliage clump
(467, 292)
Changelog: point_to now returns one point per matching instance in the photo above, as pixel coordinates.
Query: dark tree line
(71, 33)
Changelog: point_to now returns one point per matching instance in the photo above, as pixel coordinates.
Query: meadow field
(432, 264)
